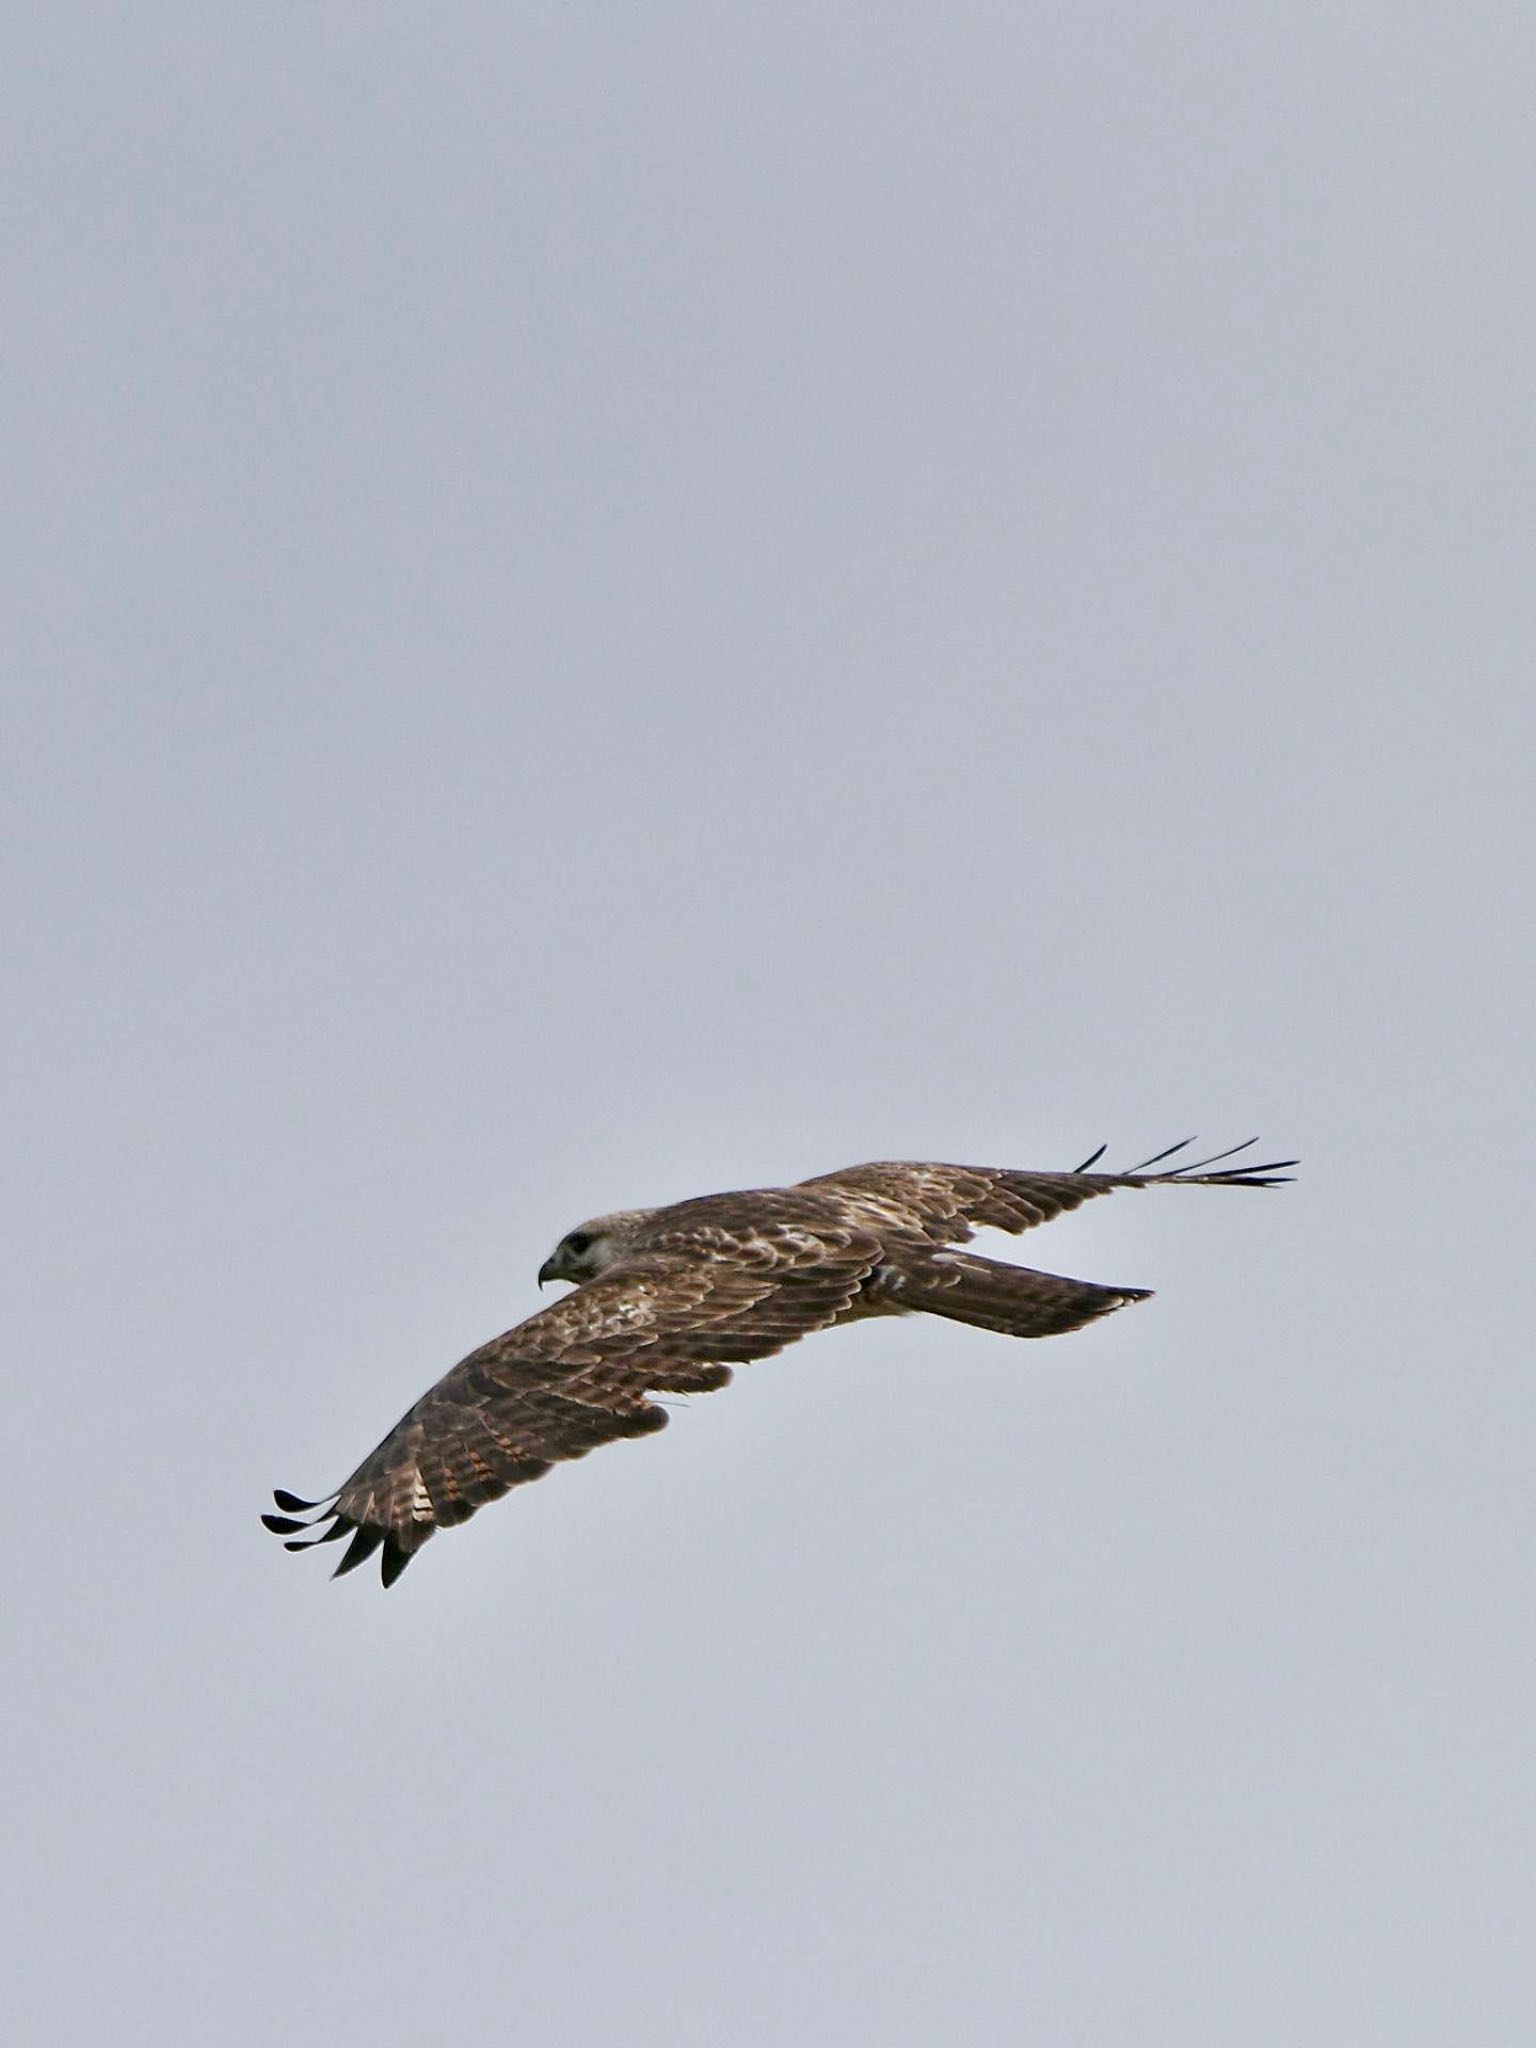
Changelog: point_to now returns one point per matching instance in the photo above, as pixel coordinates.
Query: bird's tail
(1014, 1300)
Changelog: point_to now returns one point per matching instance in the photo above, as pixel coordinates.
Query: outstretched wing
(948, 1203)
(579, 1374)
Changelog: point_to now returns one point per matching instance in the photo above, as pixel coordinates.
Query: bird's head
(592, 1247)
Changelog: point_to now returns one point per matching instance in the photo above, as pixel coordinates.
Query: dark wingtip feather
(282, 1525)
(1268, 1175)
(1231, 1152)
(292, 1505)
(365, 1541)
(1158, 1157)
(1092, 1159)
(395, 1559)
(339, 1528)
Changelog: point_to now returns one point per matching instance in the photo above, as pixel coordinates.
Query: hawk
(670, 1300)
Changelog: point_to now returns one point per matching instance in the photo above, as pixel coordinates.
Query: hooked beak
(547, 1272)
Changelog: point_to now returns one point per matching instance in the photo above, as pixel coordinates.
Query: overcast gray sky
(611, 602)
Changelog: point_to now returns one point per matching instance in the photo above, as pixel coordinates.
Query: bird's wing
(947, 1203)
(579, 1374)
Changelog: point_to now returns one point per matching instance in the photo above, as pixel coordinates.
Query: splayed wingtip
(292, 1505)
(333, 1534)
(1158, 1157)
(365, 1541)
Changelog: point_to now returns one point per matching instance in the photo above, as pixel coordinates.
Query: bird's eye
(577, 1242)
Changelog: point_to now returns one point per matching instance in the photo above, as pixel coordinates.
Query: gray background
(608, 602)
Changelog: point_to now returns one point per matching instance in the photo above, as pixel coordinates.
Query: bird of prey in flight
(668, 1301)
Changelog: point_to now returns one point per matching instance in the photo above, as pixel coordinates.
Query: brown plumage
(669, 1300)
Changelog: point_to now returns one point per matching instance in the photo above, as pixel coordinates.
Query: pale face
(587, 1250)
